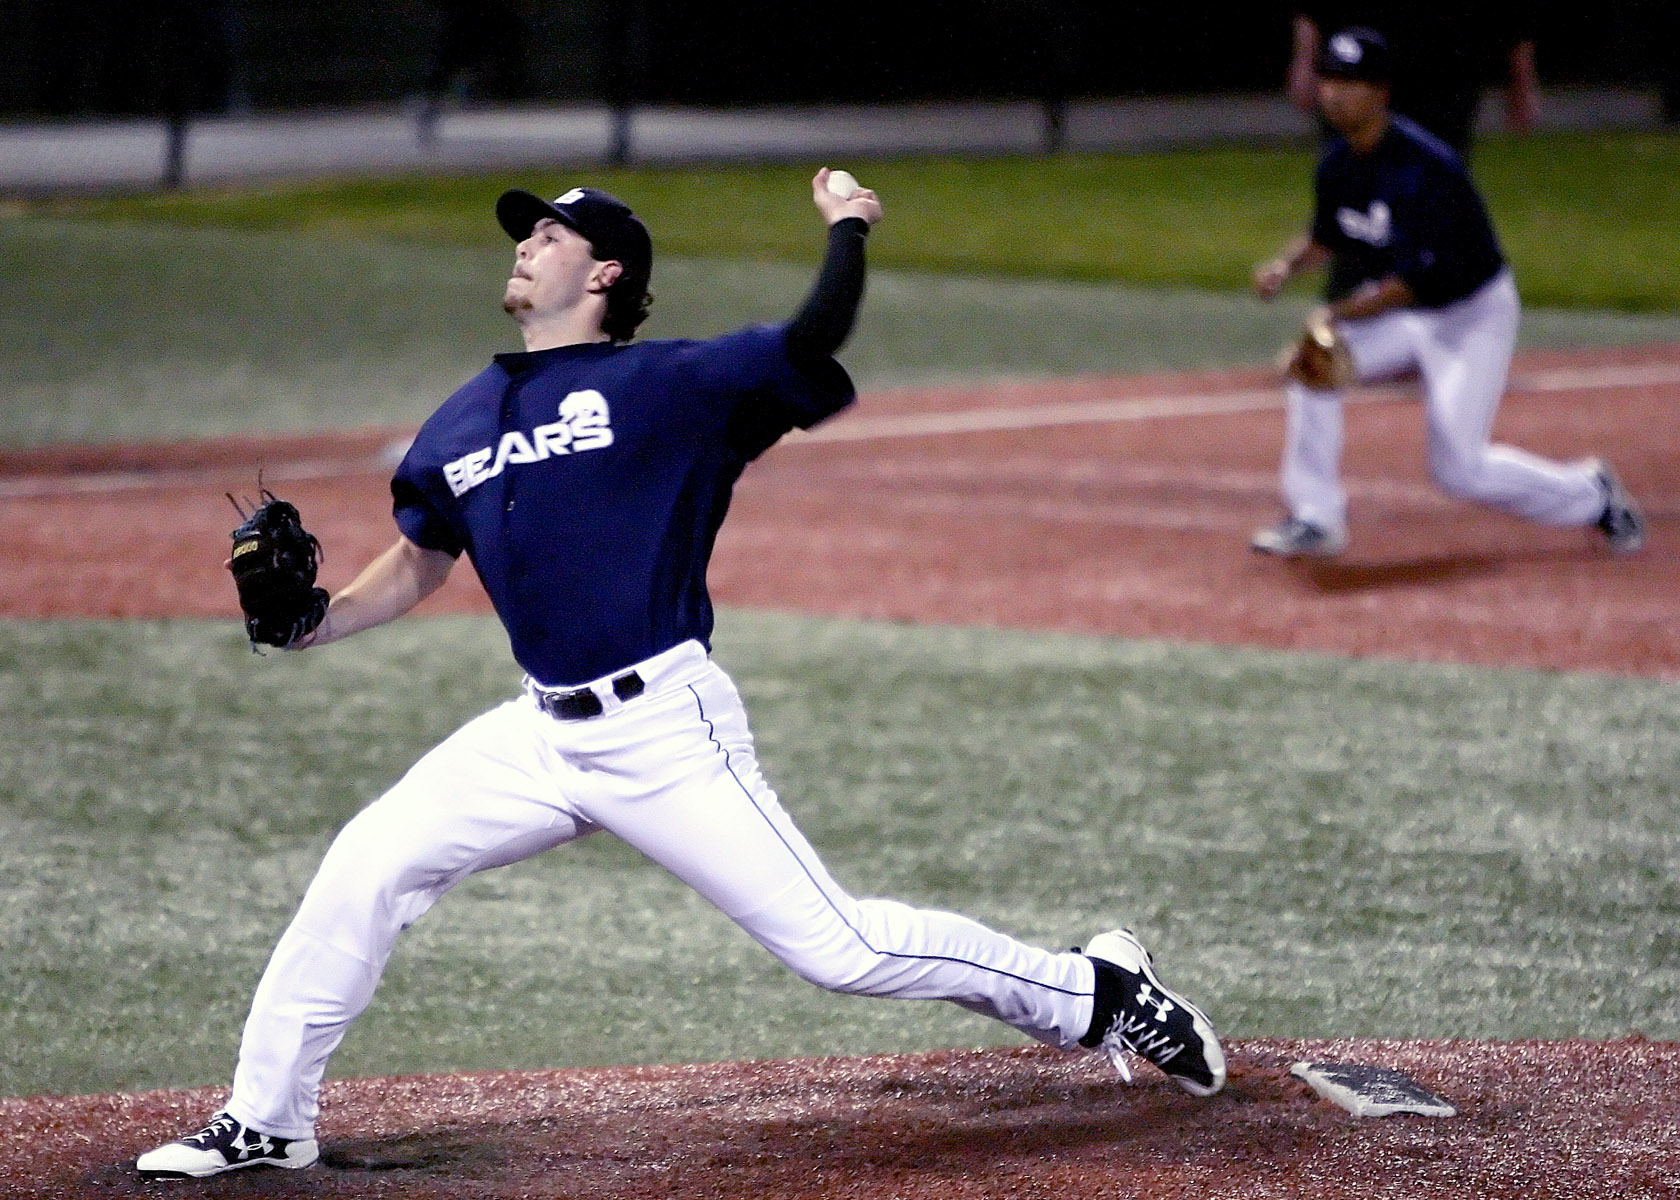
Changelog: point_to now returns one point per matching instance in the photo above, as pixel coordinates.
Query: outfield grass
(1588, 220)
(183, 332)
(1314, 846)
(299, 306)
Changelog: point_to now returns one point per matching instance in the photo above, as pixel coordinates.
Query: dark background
(84, 57)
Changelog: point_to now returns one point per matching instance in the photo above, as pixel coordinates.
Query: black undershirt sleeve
(824, 321)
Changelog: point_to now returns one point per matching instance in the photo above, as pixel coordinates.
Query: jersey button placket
(510, 417)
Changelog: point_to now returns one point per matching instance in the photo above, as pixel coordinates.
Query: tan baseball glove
(1318, 358)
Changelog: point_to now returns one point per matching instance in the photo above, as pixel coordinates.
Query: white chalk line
(25, 487)
(1145, 408)
(884, 428)
(1038, 416)
(898, 475)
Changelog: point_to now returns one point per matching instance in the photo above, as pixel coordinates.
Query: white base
(1367, 1091)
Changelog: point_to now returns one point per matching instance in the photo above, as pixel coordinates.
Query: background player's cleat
(226, 1145)
(1133, 1011)
(1295, 538)
(1621, 522)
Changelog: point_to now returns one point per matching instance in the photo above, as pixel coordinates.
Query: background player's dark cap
(605, 221)
(1356, 53)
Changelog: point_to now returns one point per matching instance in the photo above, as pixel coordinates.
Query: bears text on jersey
(584, 424)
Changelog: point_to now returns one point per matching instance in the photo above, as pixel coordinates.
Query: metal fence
(156, 57)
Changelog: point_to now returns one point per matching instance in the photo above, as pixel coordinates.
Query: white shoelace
(1117, 1051)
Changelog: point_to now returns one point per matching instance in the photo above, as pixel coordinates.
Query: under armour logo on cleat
(1146, 998)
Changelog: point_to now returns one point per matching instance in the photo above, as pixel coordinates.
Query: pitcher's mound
(1536, 1119)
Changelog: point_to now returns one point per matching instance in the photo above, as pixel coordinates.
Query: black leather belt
(580, 704)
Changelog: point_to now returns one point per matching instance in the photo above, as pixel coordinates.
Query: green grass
(300, 306)
(1314, 846)
(1589, 220)
(185, 332)
(285, 330)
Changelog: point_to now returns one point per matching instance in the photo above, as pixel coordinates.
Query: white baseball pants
(1462, 354)
(673, 773)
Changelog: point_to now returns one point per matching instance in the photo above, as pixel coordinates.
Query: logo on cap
(1347, 48)
(570, 197)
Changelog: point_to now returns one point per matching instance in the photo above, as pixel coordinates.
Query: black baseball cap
(1356, 53)
(605, 221)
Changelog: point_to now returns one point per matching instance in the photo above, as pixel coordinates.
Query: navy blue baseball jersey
(1407, 208)
(587, 484)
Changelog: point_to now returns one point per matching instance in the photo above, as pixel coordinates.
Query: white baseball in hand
(842, 184)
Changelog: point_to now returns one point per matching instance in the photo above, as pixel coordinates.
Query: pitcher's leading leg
(1134, 1011)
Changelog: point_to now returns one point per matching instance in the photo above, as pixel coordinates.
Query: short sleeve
(418, 518)
(1442, 246)
(1324, 229)
(768, 395)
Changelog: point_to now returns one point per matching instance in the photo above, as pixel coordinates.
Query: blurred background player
(1445, 54)
(1417, 283)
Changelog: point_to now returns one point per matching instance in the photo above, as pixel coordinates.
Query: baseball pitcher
(585, 478)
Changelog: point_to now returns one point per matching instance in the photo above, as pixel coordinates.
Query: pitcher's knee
(836, 958)
(366, 878)
(847, 974)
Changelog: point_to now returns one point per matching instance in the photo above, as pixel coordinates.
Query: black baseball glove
(274, 563)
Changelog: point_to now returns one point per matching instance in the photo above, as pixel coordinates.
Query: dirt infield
(1536, 1121)
(1110, 506)
(1539, 1121)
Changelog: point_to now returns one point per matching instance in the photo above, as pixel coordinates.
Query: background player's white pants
(673, 773)
(1462, 354)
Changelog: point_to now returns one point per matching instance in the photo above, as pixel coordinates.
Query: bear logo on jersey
(585, 424)
(1373, 227)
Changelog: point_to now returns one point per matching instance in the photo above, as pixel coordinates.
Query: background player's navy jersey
(1407, 208)
(587, 484)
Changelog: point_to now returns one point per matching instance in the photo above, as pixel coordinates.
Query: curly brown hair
(628, 301)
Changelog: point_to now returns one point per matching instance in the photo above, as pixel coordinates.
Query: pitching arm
(824, 321)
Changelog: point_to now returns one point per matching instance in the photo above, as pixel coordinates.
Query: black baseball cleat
(1621, 522)
(226, 1145)
(1295, 538)
(1133, 1011)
